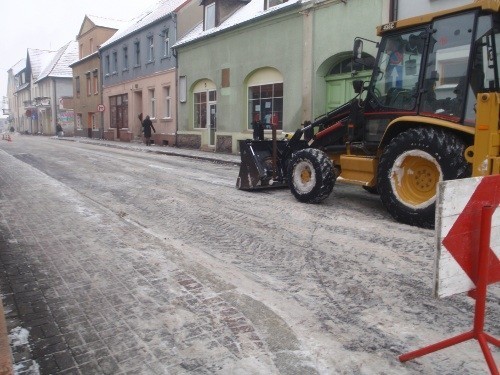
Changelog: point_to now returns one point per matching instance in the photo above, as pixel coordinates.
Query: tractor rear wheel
(410, 168)
(310, 175)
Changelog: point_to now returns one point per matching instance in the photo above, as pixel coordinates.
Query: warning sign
(458, 224)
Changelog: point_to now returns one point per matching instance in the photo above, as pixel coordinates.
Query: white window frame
(115, 62)
(273, 3)
(125, 58)
(151, 49)
(168, 102)
(88, 78)
(263, 77)
(77, 86)
(166, 43)
(95, 74)
(207, 103)
(209, 21)
(79, 121)
(137, 53)
(182, 89)
(95, 125)
(152, 101)
(107, 65)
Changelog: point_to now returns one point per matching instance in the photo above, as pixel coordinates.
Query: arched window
(345, 66)
(265, 98)
(204, 97)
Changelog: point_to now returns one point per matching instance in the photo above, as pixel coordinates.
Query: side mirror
(358, 86)
(357, 50)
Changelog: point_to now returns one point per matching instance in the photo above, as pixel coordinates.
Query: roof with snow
(18, 66)
(38, 60)
(106, 22)
(60, 64)
(250, 12)
(156, 12)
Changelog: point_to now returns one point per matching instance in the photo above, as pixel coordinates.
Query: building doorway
(339, 80)
(212, 107)
(205, 110)
(119, 112)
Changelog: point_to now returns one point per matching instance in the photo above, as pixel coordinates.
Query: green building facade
(283, 66)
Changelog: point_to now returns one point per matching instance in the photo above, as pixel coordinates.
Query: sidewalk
(104, 296)
(166, 150)
(5, 349)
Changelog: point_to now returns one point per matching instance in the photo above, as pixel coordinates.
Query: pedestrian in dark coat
(59, 130)
(147, 125)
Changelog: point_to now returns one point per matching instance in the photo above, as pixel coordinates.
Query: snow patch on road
(19, 336)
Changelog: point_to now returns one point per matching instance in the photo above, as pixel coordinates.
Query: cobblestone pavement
(93, 303)
(195, 154)
(118, 261)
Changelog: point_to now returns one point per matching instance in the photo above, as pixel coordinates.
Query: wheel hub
(305, 175)
(425, 179)
(304, 179)
(415, 178)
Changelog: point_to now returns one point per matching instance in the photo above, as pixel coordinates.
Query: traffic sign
(458, 225)
(101, 108)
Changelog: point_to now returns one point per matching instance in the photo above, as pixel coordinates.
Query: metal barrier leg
(480, 306)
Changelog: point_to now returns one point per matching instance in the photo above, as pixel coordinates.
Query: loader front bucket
(256, 168)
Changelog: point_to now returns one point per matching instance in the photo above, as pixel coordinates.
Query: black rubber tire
(322, 178)
(371, 189)
(433, 146)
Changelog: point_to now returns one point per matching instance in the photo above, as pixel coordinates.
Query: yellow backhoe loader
(429, 113)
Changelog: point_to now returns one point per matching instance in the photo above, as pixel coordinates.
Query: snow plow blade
(256, 168)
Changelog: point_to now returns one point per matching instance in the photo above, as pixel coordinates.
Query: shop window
(118, 106)
(202, 102)
(265, 104)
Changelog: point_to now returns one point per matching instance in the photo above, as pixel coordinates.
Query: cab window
(395, 79)
(445, 83)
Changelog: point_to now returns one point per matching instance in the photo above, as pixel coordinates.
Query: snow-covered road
(334, 288)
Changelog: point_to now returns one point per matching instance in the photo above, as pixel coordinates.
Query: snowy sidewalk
(167, 150)
(86, 291)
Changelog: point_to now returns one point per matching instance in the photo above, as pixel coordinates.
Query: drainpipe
(18, 118)
(54, 105)
(174, 54)
(101, 83)
(31, 117)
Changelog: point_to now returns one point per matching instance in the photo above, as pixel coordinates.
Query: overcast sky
(51, 24)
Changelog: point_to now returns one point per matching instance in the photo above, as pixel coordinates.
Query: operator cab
(434, 70)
